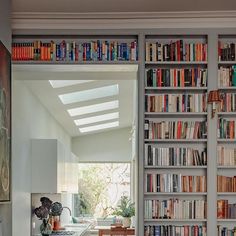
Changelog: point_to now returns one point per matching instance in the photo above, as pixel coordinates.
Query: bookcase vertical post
(141, 76)
(212, 139)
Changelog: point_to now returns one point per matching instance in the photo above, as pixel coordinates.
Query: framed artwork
(5, 124)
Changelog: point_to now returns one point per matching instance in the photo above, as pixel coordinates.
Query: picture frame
(5, 124)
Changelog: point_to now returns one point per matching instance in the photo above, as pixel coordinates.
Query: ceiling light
(65, 83)
(95, 119)
(99, 127)
(94, 108)
(86, 95)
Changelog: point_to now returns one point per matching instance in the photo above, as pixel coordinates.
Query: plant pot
(126, 222)
(45, 228)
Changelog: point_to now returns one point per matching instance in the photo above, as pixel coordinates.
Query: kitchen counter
(71, 230)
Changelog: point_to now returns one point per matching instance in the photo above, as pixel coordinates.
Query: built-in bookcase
(175, 141)
(177, 69)
(226, 153)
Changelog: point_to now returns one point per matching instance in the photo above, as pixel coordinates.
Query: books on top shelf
(226, 231)
(176, 103)
(174, 209)
(178, 183)
(179, 50)
(226, 156)
(228, 102)
(226, 51)
(227, 76)
(226, 183)
(226, 210)
(176, 77)
(226, 128)
(98, 50)
(175, 129)
(175, 230)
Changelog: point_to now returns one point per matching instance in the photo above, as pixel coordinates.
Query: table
(108, 230)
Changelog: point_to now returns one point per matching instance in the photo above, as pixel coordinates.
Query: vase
(45, 228)
(126, 222)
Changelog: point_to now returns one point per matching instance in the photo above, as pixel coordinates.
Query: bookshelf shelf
(75, 62)
(174, 220)
(176, 194)
(176, 63)
(227, 88)
(227, 193)
(175, 167)
(180, 89)
(226, 220)
(226, 113)
(175, 114)
(226, 140)
(226, 167)
(227, 62)
(175, 140)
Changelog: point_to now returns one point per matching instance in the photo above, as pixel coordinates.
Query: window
(100, 188)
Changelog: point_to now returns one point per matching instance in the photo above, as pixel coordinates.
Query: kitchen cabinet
(54, 167)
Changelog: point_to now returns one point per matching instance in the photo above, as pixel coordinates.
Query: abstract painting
(5, 123)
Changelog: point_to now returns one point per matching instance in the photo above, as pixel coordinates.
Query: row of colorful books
(225, 231)
(226, 156)
(176, 103)
(228, 102)
(226, 183)
(74, 51)
(226, 51)
(175, 230)
(226, 128)
(226, 210)
(168, 183)
(174, 209)
(174, 156)
(176, 77)
(175, 129)
(227, 76)
(179, 50)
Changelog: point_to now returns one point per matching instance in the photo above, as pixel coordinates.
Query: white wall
(5, 37)
(110, 146)
(30, 120)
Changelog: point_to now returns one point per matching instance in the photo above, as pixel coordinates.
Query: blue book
(157, 231)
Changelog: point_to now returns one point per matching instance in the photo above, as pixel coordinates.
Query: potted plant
(125, 209)
(42, 213)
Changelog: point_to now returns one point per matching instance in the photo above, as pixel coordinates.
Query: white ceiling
(36, 79)
(85, 6)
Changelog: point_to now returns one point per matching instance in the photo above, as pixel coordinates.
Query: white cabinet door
(48, 166)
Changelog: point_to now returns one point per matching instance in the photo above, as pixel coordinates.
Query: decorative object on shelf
(5, 123)
(45, 228)
(126, 210)
(42, 213)
(55, 211)
(214, 99)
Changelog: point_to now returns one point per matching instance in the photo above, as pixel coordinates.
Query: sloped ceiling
(85, 6)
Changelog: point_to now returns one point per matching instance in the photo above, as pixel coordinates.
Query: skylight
(65, 83)
(94, 108)
(90, 94)
(99, 127)
(95, 119)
